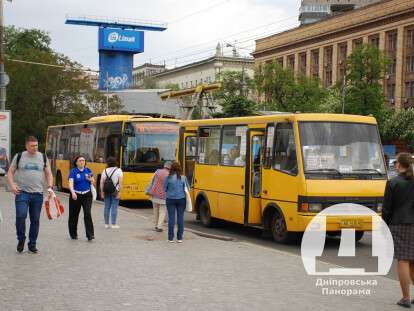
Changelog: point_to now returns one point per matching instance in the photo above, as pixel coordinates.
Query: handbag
(188, 202)
(58, 210)
(93, 191)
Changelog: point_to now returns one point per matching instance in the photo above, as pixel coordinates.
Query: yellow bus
(140, 144)
(278, 171)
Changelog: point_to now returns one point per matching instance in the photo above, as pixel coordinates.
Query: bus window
(267, 156)
(86, 140)
(208, 148)
(190, 157)
(285, 149)
(149, 145)
(233, 148)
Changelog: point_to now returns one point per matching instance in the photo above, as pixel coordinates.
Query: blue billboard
(115, 70)
(121, 40)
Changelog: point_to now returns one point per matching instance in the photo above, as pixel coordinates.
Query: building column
(334, 63)
(365, 39)
(382, 48)
(285, 61)
(399, 81)
(296, 67)
(321, 66)
(308, 63)
(349, 48)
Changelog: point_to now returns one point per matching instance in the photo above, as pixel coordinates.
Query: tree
(149, 83)
(365, 69)
(39, 96)
(172, 86)
(234, 95)
(282, 91)
(400, 126)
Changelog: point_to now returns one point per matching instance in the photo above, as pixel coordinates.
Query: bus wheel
(59, 186)
(205, 214)
(359, 235)
(279, 229)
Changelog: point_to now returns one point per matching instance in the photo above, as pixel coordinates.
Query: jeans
(176, 206)
(111, 205)
(25, 202)
(85, 201)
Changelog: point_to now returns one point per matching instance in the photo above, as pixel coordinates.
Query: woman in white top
(111, 185)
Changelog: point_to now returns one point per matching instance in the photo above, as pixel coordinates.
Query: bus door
(252, 210)
(188, 155)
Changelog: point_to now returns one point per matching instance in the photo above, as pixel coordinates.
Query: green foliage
(149, 83)
(236, 87)
(366, 67)
(39, 96)
(400, 126)
(173, 86)
(282, 91)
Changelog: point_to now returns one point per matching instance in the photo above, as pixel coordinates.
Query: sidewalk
(134, 268)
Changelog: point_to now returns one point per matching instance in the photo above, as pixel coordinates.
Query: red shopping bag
(54, 209)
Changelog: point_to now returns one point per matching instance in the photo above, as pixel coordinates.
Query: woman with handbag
(80, 181)
(175, 186)
(110, 186)
(398, 213)
(156, 191)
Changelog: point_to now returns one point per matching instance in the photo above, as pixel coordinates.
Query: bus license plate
(351, 223)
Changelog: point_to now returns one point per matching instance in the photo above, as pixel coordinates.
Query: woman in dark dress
(398, 213)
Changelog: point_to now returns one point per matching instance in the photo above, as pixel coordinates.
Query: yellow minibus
(279, 171)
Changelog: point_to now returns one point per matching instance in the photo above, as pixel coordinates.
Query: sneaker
(20, 246)
(115, 227)
(33, 249)
(404, 303)
(91, 238)
(106, 226)
(74, 237)
(179, 241)
(158, 229)
(171, 241)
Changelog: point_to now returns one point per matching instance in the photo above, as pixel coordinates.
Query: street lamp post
(3, 77)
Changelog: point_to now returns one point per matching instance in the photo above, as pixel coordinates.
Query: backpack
(19, 156)
(109, 186)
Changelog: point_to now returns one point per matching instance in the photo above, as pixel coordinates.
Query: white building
(146, 70)
(204, 71)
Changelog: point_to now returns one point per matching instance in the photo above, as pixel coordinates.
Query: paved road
(134, 268)
(254, 235)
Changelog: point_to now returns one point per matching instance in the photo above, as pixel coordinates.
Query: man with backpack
(26, 180)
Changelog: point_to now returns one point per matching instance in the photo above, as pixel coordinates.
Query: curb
(211, 236)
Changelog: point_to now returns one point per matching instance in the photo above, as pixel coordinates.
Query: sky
(194, 26)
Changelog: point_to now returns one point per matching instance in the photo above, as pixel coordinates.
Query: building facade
(146, 70)
(204, 71)
(312, 11)
(320, 49)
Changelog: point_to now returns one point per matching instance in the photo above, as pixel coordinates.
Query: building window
(409, 39)
(409, 89)
(357, 43)
(409, 63)
(315, 63)
(327, 60)
(392, 67)
(392, 41)
(291, 62)
(280, 61)
(391, 91)
(374, 40)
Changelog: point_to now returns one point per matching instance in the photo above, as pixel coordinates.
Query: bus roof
(284, 116)
(115, 118)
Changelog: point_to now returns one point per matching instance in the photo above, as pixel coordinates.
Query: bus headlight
(315, 207)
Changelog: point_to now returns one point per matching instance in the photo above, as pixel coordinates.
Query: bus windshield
(339, 149)
(149, 144)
